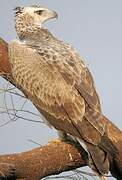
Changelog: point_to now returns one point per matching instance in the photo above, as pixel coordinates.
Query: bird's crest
(18, 10)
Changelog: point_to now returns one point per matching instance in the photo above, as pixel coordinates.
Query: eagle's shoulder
(16, 42)
(14, 46)
(18, 48)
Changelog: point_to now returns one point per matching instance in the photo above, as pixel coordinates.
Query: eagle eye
(39, 12)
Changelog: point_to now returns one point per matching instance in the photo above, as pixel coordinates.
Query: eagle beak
(52, 14)
(55, 14)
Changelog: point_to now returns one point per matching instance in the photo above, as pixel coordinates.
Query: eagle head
(33, 15)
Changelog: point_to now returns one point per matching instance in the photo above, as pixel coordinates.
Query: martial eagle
(56, 79)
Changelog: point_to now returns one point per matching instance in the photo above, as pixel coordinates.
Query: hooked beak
(49, 14)
(55, 14)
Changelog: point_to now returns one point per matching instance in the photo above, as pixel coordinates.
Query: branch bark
(55, 157)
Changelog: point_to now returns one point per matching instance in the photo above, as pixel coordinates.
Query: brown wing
(68, 62)
(74, 71)
(54, 86)
(45, 87)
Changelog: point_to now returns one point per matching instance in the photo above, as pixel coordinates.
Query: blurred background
(94, 28)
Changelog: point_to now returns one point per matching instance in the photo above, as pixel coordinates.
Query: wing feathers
(58, 84)
(87, 89)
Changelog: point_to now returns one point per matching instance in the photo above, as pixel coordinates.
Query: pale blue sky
(94, 28)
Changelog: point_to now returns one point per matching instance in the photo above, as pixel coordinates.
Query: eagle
(56, 79)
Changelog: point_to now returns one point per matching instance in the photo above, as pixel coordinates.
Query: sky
(94, 28)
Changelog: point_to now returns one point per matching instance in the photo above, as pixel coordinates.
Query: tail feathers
(107, 145)
(99, 160)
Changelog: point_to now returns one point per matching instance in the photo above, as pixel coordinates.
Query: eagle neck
(23, 25)
(27, 30)
(33, 32)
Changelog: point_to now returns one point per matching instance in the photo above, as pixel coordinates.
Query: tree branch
(55, 157)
